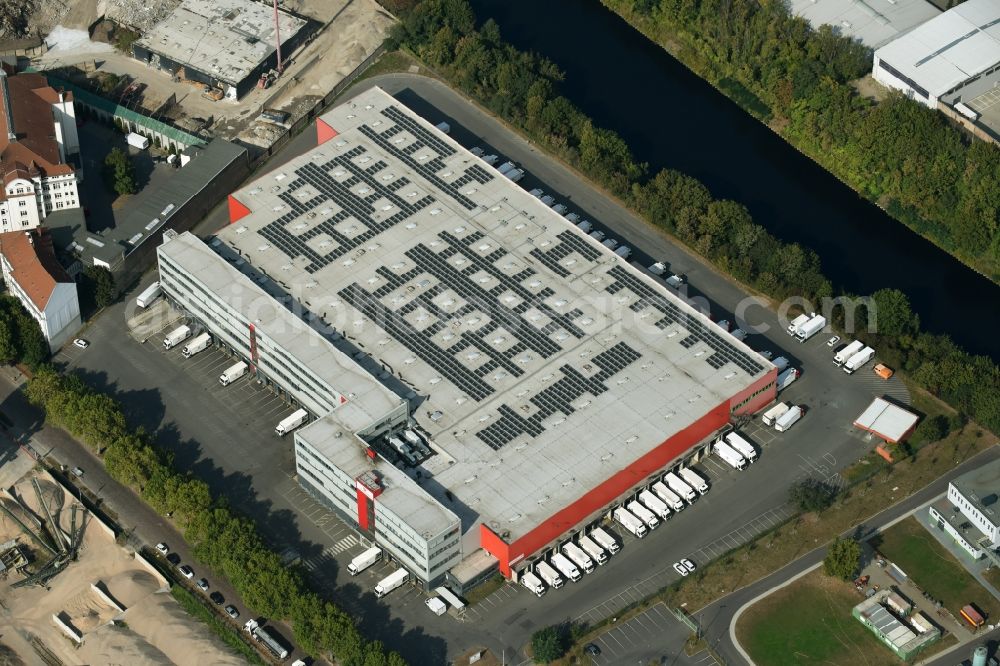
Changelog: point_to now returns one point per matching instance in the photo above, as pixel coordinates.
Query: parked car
(78, 472)
(688, 563)
(202, 584)
(186, 571)
(163, 548)
(592, 650)
(174, 559)
(681, 569)
(81, 343)
(217, 598)
(833, 341)
(883, 371)
(232, 612)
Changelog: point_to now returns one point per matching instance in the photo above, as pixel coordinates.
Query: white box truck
(729, 455)
(679, 486)
(655, 504)
(548, 200)
(624, 251)
(788, 419)
(811, 328)
(578, 556)
(291, 422)
(437, 606)
(847, 352)
(742, 446)
(693, 479)
(560, 208)
(549, 575)
(396, 579)
(771, 415)
(149, 294)
(515, 175)
(137, 141)
(533, 583)
(667, 495)
(642, 513)
(232, 373)
(859, 360)
(364, 560)
(793, 327)
(591, 548)
(565, 567)
(630, 522)
(585, 226)
(444, 127)
(506, 166)
(176, 336)
(491, 159)
(200, 343)
(780, 363)
(605, 540)
(786, 378)
(268, 638)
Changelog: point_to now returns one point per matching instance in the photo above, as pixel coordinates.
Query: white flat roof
(873, 22)
(949, 49)
(886, 420)
(226, 39)
(367, 400)
(542, 363)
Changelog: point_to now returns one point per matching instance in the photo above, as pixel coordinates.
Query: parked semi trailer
(693, 479)
(729, 455)
(232, 373)
(578, 556)
(605, 540)
(786, 378)
(742, 446)
(549, 575)
(679, 486)
(593, 549)
(810, 328)
(859, 360)
(176, 336)
(364, 560)
(793, 327)
(655, 504)
(642, 513)
(291, 422)
(200, 343)
(533, 583)
(771, 415)
(148, 295)
(847, 352)
(788, 419)
(565, 567)
(394, 580)
(667, 495)
(624, 518)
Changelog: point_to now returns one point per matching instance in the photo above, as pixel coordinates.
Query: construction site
(72, 595)
(268, 75)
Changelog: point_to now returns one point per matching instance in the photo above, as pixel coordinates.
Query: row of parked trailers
(589, 550)
(853, 356)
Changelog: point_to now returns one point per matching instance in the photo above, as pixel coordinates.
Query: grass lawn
(810, 622)
(993, 575)
(934, 569)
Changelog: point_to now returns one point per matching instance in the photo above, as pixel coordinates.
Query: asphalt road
(236, 452)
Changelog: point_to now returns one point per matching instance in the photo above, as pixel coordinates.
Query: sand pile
(86, 611)
(117, 644)
(129, 587)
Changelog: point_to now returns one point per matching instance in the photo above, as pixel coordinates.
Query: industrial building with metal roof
(548, 375)
(887, 420)
(953, 59)
(226, 44)
(872, 22)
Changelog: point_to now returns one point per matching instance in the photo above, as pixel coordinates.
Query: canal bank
(673, 119)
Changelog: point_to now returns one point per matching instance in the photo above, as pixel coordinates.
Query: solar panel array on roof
(723, 351)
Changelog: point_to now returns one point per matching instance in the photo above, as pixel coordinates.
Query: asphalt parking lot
(225, 435)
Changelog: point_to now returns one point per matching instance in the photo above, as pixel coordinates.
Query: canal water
(672, 118)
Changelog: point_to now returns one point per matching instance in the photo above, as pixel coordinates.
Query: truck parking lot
(226, 436)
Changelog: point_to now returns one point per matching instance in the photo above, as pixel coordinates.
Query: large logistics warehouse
(389, 272)
(954, 58)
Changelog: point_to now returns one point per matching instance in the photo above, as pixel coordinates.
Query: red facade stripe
(324, 132)
(237, 210)
(362, 509)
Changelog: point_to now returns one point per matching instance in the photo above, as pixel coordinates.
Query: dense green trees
(547, 644)
(812, 494)
(119, 172)
(842, 558)
(898, 153)
(227, 542)
(97, 287)
(21, 339)
(771, 46)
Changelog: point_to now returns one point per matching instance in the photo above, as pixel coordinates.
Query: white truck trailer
(780, 363)
(693, 479)
(364, 560)
(268, 639)
(605, 540)
(788, 419)
(667, 495)
(655, 504)
(578, 556)
(437, 606)
(642, 513)
(565, 567)
(533, 583)
(394, 580)
(591, 548)
(200, 343)
(847, 352)
(176, 336)
(811, 328)
(586, 226)
(859, 360)
(630, 522)
(291, 422)
(506, 166)
(771, 415)
(149, 294)
(232, 373)
(786, 378)
(730, 455)
(742, 446)
(679, 486)
(137, 141)
(444, 127)
(549, 575)
(515, 175)
(793, 327)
